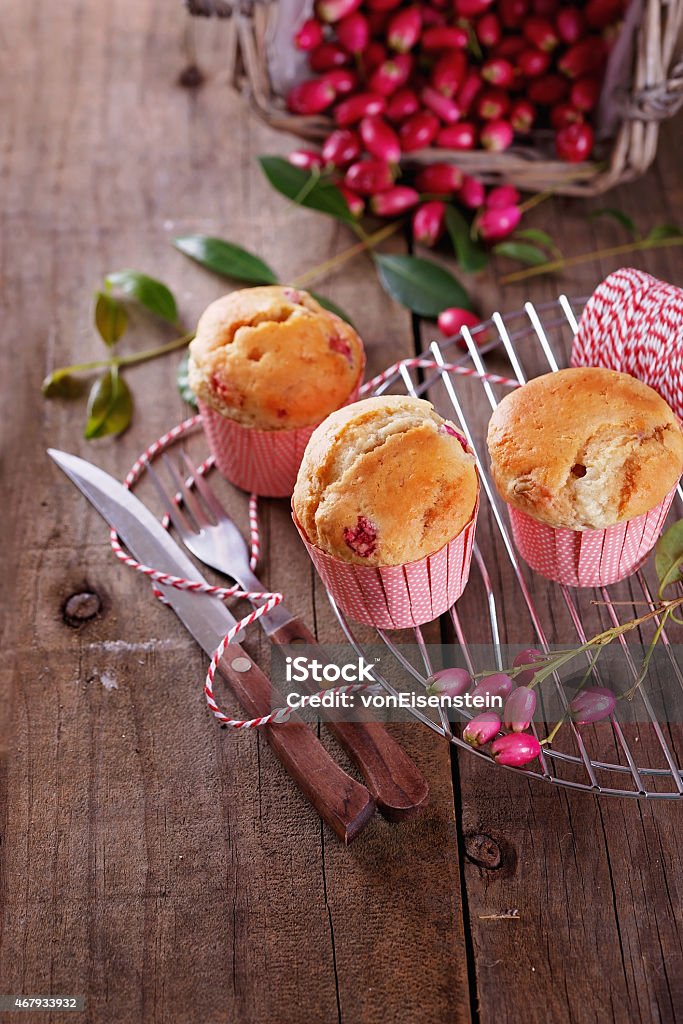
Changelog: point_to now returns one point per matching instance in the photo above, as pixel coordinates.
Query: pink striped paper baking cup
(398, 596)
(263, 462)
(588, 558)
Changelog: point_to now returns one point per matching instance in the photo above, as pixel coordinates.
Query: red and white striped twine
(271, 598)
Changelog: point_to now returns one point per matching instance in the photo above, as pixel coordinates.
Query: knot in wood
(483, 850)
(81, 607)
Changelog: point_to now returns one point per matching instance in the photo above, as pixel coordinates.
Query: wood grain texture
(165, 869)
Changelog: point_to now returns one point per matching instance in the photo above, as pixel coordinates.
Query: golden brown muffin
(385, 481)
(584, 448)
(273, 358)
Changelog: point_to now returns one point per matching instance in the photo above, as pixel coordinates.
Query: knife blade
(341, 801)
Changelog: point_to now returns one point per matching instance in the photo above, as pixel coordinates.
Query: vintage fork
(398, 787)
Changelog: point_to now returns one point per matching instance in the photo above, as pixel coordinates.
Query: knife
(341, 801)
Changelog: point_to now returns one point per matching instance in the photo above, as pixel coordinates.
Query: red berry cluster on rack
(454, 74)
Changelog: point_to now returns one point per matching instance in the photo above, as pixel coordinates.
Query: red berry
(353, 32)
(472, 193)
(431, 18)
(584, 57)
(574, 143)
(449, 72)
(444, 108)
(363, 104)
(533, 63)
(429, 222)
(383, 5)
(488, 30)
(341, 148)
(495, 224)
(354, 202)
(451, 321)
(601, 13)
(306, 158)
(391, 74)
(496, 135)
(544, 8)
(585, 93)
(342, 80)
(564, 114)
(458, 136)
(471, 8)
(541, 33)
(327, 56)
(367, 177)
(371, 58)
(402, 104)
(310, 97)
(571, 24)
(404, 29)
(510, 47)
(418, 131)
(380, 140)
(502, 196)
(394, 202)
(334, 10)
(522, 116)
(492, 104)
(443, 37)
(512, 12)
(309, 35)
(440, 179)
(498, 72)
(548, 90)
(469, 90)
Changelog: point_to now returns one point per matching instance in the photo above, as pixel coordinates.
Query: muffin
(267, 365)
(587, 460)
(385, 501)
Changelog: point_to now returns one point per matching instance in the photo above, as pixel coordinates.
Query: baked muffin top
(584, 448)
(273, 358)
(385, 481)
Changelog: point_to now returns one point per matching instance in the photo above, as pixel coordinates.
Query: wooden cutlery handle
(341, 801)
(398, 787)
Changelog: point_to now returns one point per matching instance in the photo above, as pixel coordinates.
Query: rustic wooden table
(165, 869)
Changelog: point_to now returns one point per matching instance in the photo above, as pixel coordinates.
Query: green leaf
(305, 188)
(669, 556)
(150, 293)
(470, 254)
(226, 258)
(661, 231)
(183, 382)
(332, 307)
(540, 237)
(110, 406)
(524, 252)
(111, 319)
(62, 385)
(421, 285)
(617, 215)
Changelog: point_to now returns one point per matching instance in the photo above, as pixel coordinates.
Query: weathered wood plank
(163, 868)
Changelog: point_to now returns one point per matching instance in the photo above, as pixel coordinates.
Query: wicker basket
(656, 93)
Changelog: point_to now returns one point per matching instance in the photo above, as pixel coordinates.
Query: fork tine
(179, 520)
(192, 507)
(203, 487)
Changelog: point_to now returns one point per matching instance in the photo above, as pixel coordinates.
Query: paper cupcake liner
(398, 596)
(263, 462)
(588, 558)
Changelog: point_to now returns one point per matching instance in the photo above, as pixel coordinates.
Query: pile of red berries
(456, 74)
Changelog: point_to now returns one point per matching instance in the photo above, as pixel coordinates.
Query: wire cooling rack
(637, 752)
